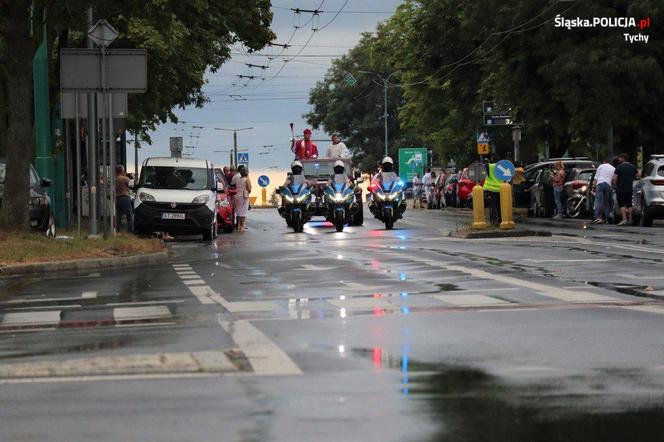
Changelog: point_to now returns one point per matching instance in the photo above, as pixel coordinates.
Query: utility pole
(136, 156)
(92, 145)
(235, 131)
(386, 84)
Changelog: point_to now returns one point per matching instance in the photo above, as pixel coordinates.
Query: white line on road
(470, 300)
(189, 277)
(139, 313)
(119, 304)
(31, 318)
(84, 295)
(265, 357)
(194, 282)
(568, 260)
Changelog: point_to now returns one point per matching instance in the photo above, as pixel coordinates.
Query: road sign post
(504, 170)
(243, 158)
(483, 142)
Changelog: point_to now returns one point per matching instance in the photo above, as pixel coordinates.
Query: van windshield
(163, 177)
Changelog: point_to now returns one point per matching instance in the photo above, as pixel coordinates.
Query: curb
(85, 264)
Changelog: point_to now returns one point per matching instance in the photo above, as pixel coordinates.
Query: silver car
(648, 199)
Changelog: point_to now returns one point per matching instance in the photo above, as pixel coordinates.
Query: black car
(40, 202)
(534, 172)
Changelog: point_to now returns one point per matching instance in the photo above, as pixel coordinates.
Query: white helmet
(387, 160)
(339, 163)
(295, 163)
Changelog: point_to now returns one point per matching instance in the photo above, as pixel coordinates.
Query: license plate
(171, 215)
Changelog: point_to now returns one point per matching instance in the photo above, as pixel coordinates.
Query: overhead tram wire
(309, 40)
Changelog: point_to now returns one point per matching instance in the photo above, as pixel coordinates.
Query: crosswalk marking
(265, 357)
(470, 300)
(194, 282)
(18, 319)
(139, 313)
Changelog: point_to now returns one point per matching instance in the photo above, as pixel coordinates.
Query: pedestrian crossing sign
(243, 158)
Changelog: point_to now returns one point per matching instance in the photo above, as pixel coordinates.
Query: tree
(356, 111)
(184, 40)
(20, 43)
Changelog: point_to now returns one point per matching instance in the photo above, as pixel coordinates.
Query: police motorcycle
(388, 203)
(340, 198)
(296, 199)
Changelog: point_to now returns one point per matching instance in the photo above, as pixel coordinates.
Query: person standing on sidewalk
(558, 182)
(417, 191)
(491, 188)
(426, 186)
(123, 204)
(602, 184)
(623, 180)
(241, 199)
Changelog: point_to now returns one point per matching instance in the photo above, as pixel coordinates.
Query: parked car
(176, 195)
(40, 211)
(648, 199)
(450, 190)
(533, 172)
(225, 208)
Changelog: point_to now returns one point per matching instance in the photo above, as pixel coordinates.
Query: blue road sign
(243, 158)
(504, 170)
(263, 181)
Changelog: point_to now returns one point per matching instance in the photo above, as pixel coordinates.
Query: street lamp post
(386, 83)
(235, 131)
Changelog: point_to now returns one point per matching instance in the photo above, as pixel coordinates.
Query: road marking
(470, 300)
(189, 277)
(31, 318)
(139, 313)
(244, 306)
(214, 361)
(654, 308)
(99, 378)
(119, 304)
(194, 282)
(185, 272)
(643, 277)
(569, 260)
(150, 324)
(543, 289)
(41, 307)
(265, 357)
(84, 295)
(362, 303)
(202, 293)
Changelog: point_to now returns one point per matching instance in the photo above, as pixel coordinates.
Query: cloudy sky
(278, 94)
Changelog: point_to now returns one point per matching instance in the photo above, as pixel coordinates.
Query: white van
(176, 195)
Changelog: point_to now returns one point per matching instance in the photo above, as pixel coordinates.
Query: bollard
(479, 222)
(264, 196)
(506, 212)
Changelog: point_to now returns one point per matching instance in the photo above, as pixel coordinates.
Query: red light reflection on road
(377, 357)
(377, 311)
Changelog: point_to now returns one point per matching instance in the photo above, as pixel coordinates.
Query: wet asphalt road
(403, 335)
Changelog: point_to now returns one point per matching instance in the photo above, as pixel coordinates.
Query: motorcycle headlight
(381, 196)
(201, 199)
(224, 203)
(289, 198)
(338, 198)
(302, 198)
(144, 196)
(584, 188)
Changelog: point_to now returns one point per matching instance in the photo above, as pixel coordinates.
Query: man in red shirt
(305, 149)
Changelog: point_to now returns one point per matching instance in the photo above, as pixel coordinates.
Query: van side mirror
(132, 185)
(45, 182)
(219, 187)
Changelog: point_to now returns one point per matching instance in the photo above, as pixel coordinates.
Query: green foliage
(183, 39)
(568, 87)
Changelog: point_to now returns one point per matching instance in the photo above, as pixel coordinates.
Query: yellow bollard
(479, 222)
(264, 195)
(506, 212)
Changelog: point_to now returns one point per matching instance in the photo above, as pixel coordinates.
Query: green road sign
(412, 160)
(350, 79)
